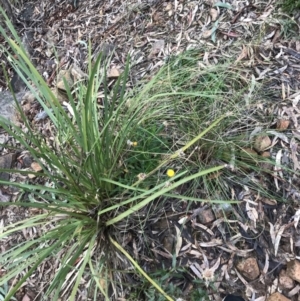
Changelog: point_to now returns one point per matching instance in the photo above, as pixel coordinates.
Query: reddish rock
(248, 268)
(206, 216)
(285, 281)
(293, 270)
(277, 297)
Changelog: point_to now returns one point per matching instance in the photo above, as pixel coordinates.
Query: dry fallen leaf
(294, 155)
(276, 236)
(277, 168)
(252, 213)
(214, 14)
(207, 33)
(157, 47)
(178, 241)
(296, 218)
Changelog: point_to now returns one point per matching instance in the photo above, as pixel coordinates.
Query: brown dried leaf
(178, 241)
(252, 213)
(243, 54)
(64, 75)
(213, 243)
(214, 14)
(276, 236)
(207, 33)
(294, 151)
(296, 218)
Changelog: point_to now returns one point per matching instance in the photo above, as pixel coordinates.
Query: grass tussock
(112, 153)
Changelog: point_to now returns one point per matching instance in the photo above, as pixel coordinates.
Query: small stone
(285, 281)
(206, 216)
(6, 162)
(8, 106)
(113, 73)
(27, 108)
(221, 210)
(107, 50)
(168, 6)
(261, 143)
(277, 297)
(282, 124)
(293, 270)
(61, 97)
(248, 268)
(27, 161)
(62, 77)
(77, 73)
(168, 242)
(29, 97)
(157, 47)
(266, 155)
(36, 166)
(3, 140)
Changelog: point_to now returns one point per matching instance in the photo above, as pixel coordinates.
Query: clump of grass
(107, 162)
(89, 180)
(174, 283)
(289, 6)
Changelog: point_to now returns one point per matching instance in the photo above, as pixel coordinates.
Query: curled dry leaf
(207, 33)
(252, 213)
(276, 236)
(294, 155)
(296, 218)
(262, 298)
(266, 267)
(213, 243)
(62, 77)
(243, 54)
(178, 241)
(77, 73)
(294, 291)
(267, 201)
(277, 168)
(214, 14)
(279, 135)
(205, 272)
(69, 107)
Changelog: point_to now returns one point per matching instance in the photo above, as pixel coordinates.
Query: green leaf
(224, 5)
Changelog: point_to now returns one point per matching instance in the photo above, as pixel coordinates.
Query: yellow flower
(130, 143)
(170, 173)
